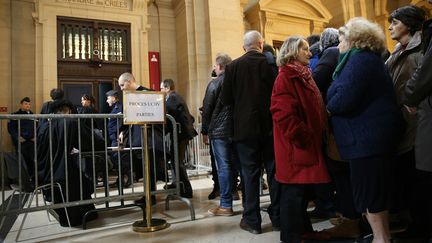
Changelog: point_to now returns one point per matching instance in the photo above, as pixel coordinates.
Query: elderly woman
(299, 122)
(328, 59)
(366, 120)
(405, 25)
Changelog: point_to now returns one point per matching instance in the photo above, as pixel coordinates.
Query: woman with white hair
(299, 122)
(366, 121)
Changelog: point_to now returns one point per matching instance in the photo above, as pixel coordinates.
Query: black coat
(216, 118)
(112, 123)
(97, 123)
(247, 86)
(177, 108)
(209, 103)
(59, 151)
(323, 72)
(27, 128)
(418, 93)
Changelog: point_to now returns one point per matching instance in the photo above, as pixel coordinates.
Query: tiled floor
(116, 226)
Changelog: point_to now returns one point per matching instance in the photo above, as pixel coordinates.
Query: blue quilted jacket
(365, 117)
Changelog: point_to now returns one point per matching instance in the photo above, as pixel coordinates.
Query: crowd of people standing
(350, 130)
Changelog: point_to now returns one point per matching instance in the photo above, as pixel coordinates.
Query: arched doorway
(91, 55)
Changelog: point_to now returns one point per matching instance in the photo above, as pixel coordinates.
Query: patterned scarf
(304, 71)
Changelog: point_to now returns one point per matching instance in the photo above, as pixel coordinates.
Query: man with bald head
(127, 81)
(248, 85)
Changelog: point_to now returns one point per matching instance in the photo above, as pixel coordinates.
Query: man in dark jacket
(177, 108)
(247, 88)
(418, 99)
(216, 122)
(22, 135)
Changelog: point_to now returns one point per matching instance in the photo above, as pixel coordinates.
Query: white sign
(142, 107)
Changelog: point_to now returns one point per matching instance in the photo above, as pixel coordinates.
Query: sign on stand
(143, 107)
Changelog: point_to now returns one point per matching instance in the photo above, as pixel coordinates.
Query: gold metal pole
(150, 224)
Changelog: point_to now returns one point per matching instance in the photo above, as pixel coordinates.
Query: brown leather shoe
(347, 228)
(218, 211)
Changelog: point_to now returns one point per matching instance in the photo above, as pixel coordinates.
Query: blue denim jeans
(224, 156)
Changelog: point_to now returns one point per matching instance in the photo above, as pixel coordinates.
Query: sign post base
(156, 224)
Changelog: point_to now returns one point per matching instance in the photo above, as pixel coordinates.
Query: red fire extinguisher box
(154, 68)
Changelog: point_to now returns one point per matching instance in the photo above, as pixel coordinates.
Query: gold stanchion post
(149, 224)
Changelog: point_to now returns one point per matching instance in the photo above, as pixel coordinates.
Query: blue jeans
(224, 156)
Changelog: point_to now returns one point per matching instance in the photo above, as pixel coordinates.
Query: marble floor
(116, 226)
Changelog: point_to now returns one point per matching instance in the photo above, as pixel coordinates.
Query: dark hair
(411, 16)
(315, 49)
(90, 98)
(113, 93)
(168, 83)
(312, 39)
(268, 48)
(57, 94)
(58, 105)
(25, 99)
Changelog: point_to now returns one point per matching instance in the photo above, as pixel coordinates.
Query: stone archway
(278, 19)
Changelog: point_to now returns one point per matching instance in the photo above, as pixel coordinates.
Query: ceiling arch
(308, 9)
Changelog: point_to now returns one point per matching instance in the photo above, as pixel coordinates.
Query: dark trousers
(324, 199)
(182, 175)
(402, 182)
(121, 160)
(27, 156)
(340, 175)
(421, 208)
(252, 153)
(294, 220)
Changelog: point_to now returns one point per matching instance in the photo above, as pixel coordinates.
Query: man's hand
(120, 139)
(411, 110)
(21, 139)
(205, 139)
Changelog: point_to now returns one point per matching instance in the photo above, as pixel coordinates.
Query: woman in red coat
(299, 123)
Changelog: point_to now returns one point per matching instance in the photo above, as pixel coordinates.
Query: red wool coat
(299, 122)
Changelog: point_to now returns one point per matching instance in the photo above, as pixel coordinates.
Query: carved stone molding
(139, 5)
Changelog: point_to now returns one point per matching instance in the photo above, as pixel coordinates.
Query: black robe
(59, 164)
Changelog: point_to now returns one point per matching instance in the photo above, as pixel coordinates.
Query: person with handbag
(299, 125)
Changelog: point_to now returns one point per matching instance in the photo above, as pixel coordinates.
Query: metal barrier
(71, 159)
(198, 159)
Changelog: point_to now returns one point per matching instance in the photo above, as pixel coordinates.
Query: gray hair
(290, 50)
(363, 34)
(252, 39)
(223, 59)
(329, 38)
(127, 77)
